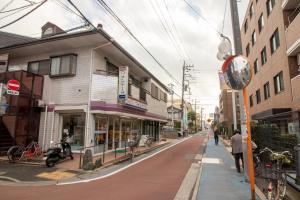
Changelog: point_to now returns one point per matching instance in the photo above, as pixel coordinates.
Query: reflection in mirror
(237, 72)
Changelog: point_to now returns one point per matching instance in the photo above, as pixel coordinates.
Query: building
(82, 84)
(226, 111)
(271, 40)
(216, 117)
(176, 115)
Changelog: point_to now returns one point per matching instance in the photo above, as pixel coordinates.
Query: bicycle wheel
(14, 153)
(280, 187)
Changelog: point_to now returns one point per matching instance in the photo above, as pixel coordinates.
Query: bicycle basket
(269, 171)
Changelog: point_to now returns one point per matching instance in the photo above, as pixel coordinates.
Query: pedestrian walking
(216, 136)
(237, 149)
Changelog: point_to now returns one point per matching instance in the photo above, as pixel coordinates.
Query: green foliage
(192, 115)
(266, 135)
(177, 125)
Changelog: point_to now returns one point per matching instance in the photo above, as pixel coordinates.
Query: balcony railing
(294, 14)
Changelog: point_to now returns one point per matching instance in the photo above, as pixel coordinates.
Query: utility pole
(172, 103)
(201, 124)
(238, 51)
(185, 75)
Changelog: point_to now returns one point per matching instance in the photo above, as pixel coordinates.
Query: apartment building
(82, 84)
(225, 111)
(271, 40)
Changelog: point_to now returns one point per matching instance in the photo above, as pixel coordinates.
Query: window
(253, 38)
(258, 99)
(247, 49)
(111, 69)
(154, 91)
(263, 55)
(143, 94)
(41, 67)
(63, 65)
(251, 10)
(270, 5)
(274, 41)
(246, 26)
(278, 83)
(267, 90)
(251, 100)
(261, 23)
(256, 66)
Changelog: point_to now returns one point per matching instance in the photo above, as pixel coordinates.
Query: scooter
(56, 154)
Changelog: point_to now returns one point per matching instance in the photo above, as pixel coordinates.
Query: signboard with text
(123, 83)
(135, 104)
(13, 87)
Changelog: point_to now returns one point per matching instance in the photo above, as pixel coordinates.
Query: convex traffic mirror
(237, 72)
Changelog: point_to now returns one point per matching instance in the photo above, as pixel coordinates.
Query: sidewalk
(219, 179)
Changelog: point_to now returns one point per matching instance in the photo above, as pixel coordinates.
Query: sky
(170, 29)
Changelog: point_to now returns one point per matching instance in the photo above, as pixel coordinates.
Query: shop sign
(135, 104)
(13, 87)
(123, 83)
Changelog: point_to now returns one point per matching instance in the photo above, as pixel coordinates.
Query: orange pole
(249, 146)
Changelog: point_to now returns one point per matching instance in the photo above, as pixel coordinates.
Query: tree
(192, 115)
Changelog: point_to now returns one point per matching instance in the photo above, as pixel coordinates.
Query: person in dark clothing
(216, 136)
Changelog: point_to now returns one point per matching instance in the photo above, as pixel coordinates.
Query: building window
(253, 38)
(143, 94)
(258, 99)
(246, 26)
(256, 66)
(41, 67)
(270, 6)
(63, 65)
(267, 90)
(73, 126)
(261, 23)
(251, 100)
(154, 91)
(278, 83)
(111, 69)
(247, 49)
(251, 12)
(274, 41)
(263, 55)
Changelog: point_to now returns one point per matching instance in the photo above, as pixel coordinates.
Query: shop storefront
(113, 131)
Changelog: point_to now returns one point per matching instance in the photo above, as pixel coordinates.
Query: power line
(6, 5)
(224, 16)
(165, 28)
(201, 16)
(24, 15)
(111, 12)
(26, 6)
(65, 7)
(17, 11)
(176, 31)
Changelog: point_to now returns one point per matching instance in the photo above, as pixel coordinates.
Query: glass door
(117, 133)
(110, 133)
(100, 134)
(125, 131)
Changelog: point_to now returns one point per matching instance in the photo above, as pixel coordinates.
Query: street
(158, 177)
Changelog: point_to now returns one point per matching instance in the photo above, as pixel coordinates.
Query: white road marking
(119, 170)
(9, 178)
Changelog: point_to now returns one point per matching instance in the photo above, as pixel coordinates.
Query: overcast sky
(189, 37)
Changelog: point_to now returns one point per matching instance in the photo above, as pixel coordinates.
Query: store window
(74, 127)
(125, 131)
(100, 134)
(117, 133)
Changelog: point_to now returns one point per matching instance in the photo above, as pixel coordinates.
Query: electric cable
(17, 11)
(224, 17)
(6, 5)
(104, 5)
(26, 6)
(10, 23)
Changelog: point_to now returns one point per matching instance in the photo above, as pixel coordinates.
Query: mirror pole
(249, 145)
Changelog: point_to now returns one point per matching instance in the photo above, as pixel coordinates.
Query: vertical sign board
(123, 83)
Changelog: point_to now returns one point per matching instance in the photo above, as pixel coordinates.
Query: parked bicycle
(20, 152)
(149, 140)
(270, 166)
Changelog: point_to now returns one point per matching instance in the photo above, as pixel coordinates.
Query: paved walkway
(219, 179)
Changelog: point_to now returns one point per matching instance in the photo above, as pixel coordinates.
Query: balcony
(293, 35)
(296, 89)
(289, 4)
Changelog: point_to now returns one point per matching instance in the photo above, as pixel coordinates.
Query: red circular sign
(13, 85)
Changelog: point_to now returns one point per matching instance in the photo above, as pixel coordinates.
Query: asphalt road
(158, 177)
